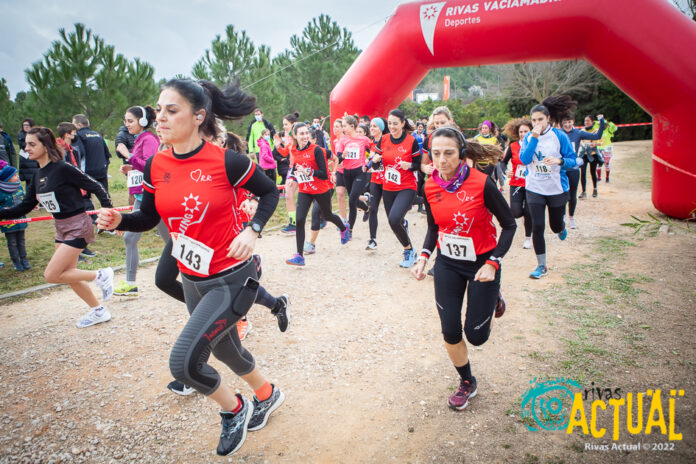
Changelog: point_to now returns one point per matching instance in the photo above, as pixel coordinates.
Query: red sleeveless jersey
(464, 212)
(194, 198)
(519, 170)
(306, 158)
(395, 178)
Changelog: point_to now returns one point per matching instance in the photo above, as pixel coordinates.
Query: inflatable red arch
(646, 47)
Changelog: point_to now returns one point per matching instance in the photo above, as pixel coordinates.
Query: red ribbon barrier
(48, 218)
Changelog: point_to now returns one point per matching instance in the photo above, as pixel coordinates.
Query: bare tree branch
(539, 80)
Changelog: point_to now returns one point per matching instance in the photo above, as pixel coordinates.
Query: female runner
(193, 187)
(285, 148)
(517, 129)
(378, 128)
(56, 185)
(317, 222)
(460, 203)
(137, 120)
(340, 182)
(547, 153)
(398, 152)
(350, 151)
(312, 175)
(576, 136)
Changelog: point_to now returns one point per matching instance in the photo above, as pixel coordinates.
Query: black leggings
(519, 208)
(375, 197)
(397, 204)
(356, 182)
(573, 179)
(593, 173)
(215, 306)
(537, 206)
(316, 214)
(304, 201)
(271, 174)
(451, 280)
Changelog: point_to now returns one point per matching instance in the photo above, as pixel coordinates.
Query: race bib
(135, 178)
(393, 176)
(457, 247)
(48, 201)
(303, 178)
(542, 169)
(193, 254)
(351, 153)
(521, 170)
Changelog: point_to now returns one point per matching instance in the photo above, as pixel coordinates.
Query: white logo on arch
(428, 20)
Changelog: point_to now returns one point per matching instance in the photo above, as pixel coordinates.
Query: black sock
(277, 306)
(465, 371)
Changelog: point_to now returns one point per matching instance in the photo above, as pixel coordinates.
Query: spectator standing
(27, 167)
(254, 133)
(7, 150)
(127, 139)
(92, 147)
(12, 194)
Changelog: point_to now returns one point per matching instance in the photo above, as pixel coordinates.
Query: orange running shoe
(243, 328)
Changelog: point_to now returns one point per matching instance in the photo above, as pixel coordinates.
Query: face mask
(267, 137)
(258, 118)
(316, 126)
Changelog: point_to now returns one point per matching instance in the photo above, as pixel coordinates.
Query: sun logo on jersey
(191, 203)
(461, 222)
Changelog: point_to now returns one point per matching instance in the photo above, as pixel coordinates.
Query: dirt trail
(362, 365)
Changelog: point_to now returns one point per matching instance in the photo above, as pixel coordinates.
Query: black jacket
(96, 154)
(7, 151)
(27, 167)
(125, 138)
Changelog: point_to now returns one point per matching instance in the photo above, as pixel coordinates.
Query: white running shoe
(105, 281)
(94, 317)
(527, 243)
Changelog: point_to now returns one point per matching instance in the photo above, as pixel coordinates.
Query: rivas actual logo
(428, 20)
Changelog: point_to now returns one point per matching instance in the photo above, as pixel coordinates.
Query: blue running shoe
(563, 234)
(539, 272)
(345, 235)
(409, 258)
(296, 260)
(289, 229)
(310, 248)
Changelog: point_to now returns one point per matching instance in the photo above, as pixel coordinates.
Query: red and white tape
(48, 218)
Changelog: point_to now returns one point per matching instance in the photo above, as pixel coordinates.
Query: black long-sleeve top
(58, 184)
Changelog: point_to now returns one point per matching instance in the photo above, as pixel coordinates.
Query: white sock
(129, 282)
(98, 309)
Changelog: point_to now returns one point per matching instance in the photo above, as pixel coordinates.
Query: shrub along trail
(362, 364)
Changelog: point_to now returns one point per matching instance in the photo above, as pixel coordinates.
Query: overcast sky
(170, 35)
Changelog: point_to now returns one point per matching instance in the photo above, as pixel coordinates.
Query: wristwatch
(255, 227)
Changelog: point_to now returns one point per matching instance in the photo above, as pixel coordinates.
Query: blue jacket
(554, 143)
(12, 199)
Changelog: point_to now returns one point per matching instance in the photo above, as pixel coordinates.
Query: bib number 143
(193, 254)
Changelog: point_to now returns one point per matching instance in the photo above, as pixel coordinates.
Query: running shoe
(309, 248)
(17, 264)
(582, 196)
(87, 253)
(94, 316)
(289, 229)
(296, 260)
(371, 245)
(180, 389)
(527, 243)
(126, 289)
(243, 328)
(366, 215)
(263, 409)
(345, 235)
(573, 225)
(539, 272)
(594, 193)
(409, 258)
(500, 305)
(234, 428)
(607, 180)
(563, 234)
(25, 264)
(105, 281)
(282, 313)
(460, 399)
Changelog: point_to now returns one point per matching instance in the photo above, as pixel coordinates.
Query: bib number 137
(193, 254)
(457, 247)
